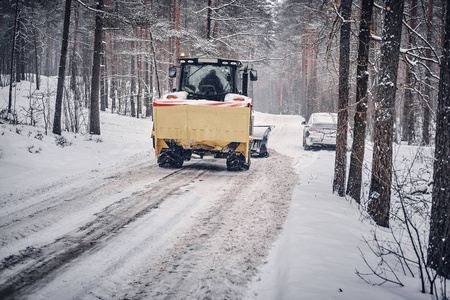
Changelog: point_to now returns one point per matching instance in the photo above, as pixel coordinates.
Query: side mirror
(253, 75)
(172, 72)
(304, 123)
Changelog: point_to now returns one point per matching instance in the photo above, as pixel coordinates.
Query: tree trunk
(177, 28)
(344, 65)
(147, 75)
(133, 80)
(306, 107)
(36, 61)
(359, 130)
(106, 85)
(19, 44)
(113, 69)
(408, 103)
(380, 186)
(139, 77)
(103, 91)
(94, 120)
(11, 80)
(216, 22)
(62, 70)
(155, 64)
(22, 57)
(427, 91)
(35, 36)
(73, 79)
(208, 20)
(306, 65)
(439, 241)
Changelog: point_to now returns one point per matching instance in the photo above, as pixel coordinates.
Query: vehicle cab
(214, 79)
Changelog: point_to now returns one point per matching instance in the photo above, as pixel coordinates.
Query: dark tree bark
(216, 22)
(36, 59)
(12, 58)
(36, 56)
(359, 131)
(344, 65)
(427, 89)
(94, 120)
(73, 78)
(62, 70)
(439, 241)
(112, 63)
(208, 20)
(408, 103)
(380, 185)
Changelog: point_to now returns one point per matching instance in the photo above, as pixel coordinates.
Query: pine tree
(94, 120)
(62, 70)
(380, 185)
(359, 131)
(439, 241)
(344, 66)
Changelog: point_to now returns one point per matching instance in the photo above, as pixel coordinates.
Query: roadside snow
(29, 158)
(319, 250)
(315, 256)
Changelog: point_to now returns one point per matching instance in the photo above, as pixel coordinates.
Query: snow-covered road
(137, 231)
(98, 219)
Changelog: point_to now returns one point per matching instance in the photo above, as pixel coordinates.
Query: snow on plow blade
(202, 126)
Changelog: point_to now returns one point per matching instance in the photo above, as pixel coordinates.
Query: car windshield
(325, 120)
(207, 79)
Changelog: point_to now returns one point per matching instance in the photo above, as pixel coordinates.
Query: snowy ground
(98, 219)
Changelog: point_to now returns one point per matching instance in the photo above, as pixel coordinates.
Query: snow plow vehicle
(209, 113)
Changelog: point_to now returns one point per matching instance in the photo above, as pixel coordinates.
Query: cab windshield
(207, 80)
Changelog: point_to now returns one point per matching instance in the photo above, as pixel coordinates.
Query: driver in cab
(211, 84)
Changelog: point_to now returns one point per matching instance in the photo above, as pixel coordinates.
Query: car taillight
(171, 97)
(238, 99)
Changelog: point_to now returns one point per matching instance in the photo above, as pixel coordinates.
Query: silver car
(320, 131)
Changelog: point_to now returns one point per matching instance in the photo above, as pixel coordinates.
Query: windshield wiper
(195, 72)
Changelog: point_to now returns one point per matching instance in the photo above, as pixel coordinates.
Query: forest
(293, 44)
(383, 66)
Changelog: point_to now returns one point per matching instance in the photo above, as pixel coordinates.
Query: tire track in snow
(221, 252)
(212, 254)
(107, 223)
